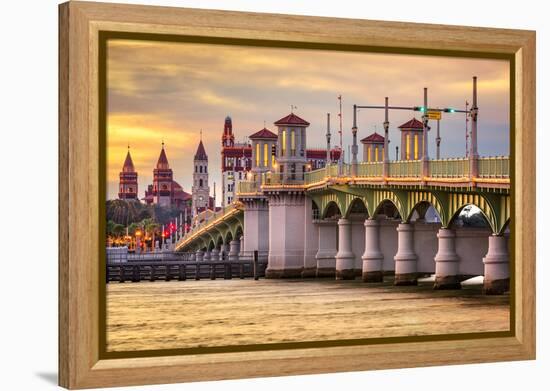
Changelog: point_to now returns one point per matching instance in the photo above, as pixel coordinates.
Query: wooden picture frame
(80, 361)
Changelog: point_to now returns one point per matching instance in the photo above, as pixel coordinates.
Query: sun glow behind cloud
(170, 91)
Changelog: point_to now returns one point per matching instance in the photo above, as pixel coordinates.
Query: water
(184, 314)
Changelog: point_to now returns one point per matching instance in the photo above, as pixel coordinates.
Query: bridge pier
(241, 247)
(357, 242)
(311, 241)
(328, 247)
(345, 259)
(215, 255)
(225, 252)
(199, 256)
(446, 261)
(496, 266)
(286, 235)
(256, 226)
(234, 247)
(405, 259)
(372, 257)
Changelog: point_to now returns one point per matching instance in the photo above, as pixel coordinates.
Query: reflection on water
(168, 315)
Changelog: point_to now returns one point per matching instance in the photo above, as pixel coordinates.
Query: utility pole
(473, 142)
(386, 167)
(425, 158)
(467, 130)
(341, 159)
(327, 166)
(354, 144)
(438, 142)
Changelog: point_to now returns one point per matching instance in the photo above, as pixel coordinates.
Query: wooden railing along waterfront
(250, 265)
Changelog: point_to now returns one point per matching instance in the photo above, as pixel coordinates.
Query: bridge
(344, 221)
(409, 218)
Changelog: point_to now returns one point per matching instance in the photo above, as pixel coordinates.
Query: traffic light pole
(473, 112)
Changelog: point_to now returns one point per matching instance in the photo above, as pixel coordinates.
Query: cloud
(170, 91)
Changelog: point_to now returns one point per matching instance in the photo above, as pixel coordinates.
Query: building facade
(236, 161)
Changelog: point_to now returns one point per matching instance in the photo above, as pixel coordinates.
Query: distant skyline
(170, 91)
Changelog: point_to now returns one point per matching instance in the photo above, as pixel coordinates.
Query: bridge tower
(291, 151)
(200, 189)
(287, 203)
(128, 184)
(256, 216)
(263, 143)
(411, 140)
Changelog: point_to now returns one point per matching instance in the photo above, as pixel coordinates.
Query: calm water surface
(183, 314)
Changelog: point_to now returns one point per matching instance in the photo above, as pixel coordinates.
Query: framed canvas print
(248, 195)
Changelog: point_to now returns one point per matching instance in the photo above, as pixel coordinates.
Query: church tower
(200, 189)
(128, 185)
(162, 180)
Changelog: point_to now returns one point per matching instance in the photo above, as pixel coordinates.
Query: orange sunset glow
(162, 91)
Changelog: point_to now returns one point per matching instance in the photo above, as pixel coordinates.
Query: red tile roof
(412, 124)
(322, 153)
(263, 134)
(201, 153)
(292, 119)
(374, 138)
(237, 151)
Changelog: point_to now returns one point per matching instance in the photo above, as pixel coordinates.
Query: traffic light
(449, 110)
(419, 108)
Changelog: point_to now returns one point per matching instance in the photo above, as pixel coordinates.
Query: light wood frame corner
(80, 364)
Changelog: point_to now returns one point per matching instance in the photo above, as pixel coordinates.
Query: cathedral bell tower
(162, 180)
(200, 189)
(128, 184)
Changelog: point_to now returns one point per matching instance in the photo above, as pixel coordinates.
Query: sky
(167, 91)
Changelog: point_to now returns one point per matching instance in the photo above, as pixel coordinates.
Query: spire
(201, 153)
(128, 163)
(162, 163)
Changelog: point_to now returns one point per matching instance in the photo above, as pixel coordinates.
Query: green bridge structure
(343, 193)
(410, 218)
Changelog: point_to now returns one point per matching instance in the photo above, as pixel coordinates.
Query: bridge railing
(208, 218)
(316, 175)
(405, 169)
(494, 167)
(374, 169)
(247, 187)
(277, 178)
(449, 168)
